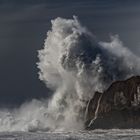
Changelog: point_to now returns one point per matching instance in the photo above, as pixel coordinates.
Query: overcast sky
(23, 27)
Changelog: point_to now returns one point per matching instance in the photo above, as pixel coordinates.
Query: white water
(74, 65)
(114, 134)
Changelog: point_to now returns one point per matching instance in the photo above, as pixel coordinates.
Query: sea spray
(74, 65)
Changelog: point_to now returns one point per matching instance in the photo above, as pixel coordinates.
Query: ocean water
(114, 134)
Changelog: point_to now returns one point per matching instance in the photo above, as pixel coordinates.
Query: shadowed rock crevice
(117, 107)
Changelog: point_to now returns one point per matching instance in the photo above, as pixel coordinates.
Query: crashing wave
(74, 65)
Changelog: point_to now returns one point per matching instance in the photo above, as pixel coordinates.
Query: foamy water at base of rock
(113, 134)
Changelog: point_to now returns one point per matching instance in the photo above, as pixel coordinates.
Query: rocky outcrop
(116, 107)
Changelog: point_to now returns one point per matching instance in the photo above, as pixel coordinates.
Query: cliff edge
(117, 107)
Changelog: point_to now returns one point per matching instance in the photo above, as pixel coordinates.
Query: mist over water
(73, 65)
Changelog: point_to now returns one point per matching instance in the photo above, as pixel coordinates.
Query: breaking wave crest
(73, 65)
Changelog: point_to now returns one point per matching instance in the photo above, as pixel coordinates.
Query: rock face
(116, 107)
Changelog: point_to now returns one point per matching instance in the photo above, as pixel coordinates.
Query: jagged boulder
(116, 107)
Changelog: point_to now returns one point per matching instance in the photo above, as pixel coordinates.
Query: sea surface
(114, 134)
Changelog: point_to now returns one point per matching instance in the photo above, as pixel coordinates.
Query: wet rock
(117, 107)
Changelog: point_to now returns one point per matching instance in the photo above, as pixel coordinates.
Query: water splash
(74, 65)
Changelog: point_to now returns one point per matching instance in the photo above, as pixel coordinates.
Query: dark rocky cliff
(116, 107)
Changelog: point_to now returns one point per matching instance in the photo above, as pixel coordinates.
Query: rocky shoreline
(116, 107)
